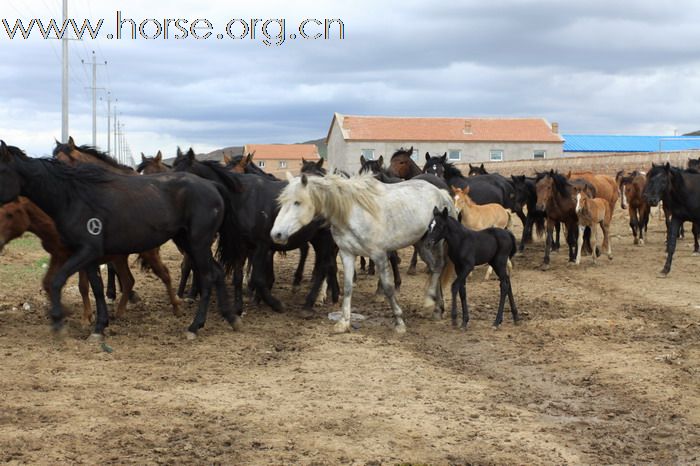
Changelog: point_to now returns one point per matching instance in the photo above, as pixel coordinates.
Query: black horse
(99, 213)
(525, 195)
(694, 164)
(254, 211)
(313, 168)
(680, 192)
(476, 170)
(469, 248)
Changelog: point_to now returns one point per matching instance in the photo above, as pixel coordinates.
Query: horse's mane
(560, 181)
(224, 176)
(92, 151)
(401, 151)
(335, 196)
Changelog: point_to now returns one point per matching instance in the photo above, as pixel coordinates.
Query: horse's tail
(228, 249)
(144, 264)
(514, 246)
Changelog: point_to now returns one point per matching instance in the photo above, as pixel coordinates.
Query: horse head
(437, 228)
(658, 183)
(14, 221)
(477, 170)
(10, 181)
(297, 209)
(313, 168)
(435, 165)
(402, 165)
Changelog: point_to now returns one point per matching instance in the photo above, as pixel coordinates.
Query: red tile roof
(379, 128)
(282, 151)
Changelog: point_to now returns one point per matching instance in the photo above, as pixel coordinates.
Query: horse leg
(259, 280)
(671, 248)
(348, 259)
(185, 269)
(126, 279)
(634, 224)
(527, 233)
(370, 267)
(696, 232)
(318, 275)
(111, 284)
(154, 261)
(387, 281)
(394, 260)
(645, 212)
(571, 241)
(204, 272)
(413, 263)
(557, 241)
(102, 320)
(548, 243)
(299, 273)
(84, 287)
(238, 286)
(459, 286)
(579, 243)
(607, 241)
(363, 264)
(465, 304)
(594, 242)
(222, 295)
(76, 262)
(332, 275)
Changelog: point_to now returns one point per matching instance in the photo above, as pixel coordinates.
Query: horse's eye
(8, 215)
(297, 203)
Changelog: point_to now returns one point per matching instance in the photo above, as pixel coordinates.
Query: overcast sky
(626, 67)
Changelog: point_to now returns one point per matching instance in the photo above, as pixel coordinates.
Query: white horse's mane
(334, 196)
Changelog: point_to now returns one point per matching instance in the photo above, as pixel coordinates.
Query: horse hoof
(279, 307)
(544, 267)
(411, 271)
(188, 300)
(307, 314)
(190, 335)
(400, 329)
(236, 323)
(610, 256)
(296, 288)
(378, 298)
(696, 253)
(496, 326)
(641, 242)
(636, 241)
(341, 326)
(662, 274)
(96, 337)
(134, 297)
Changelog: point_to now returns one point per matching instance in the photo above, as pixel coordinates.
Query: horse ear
(227, 159)
(381, 161)
(290, 177)
(249, 159)
(319, 164)
(179, 152)
(482, 167)
(159, 156)
(143, 157)
(362, 160)
(436, 211)
(304, 180)
(444, 157)
(466, 190)
(190, 154)
(427, 156)
(667, 167)
(4, 153)
(445, 212)
(303, 160)
(71, 142)
(470, 166)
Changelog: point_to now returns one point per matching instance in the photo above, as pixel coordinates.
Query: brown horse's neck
(44, 227)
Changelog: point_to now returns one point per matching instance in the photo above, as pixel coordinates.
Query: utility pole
(109, 117)
(94, 89)
(116, 124)
(64, 79)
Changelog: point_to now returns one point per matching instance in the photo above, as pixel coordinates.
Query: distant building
(601, 144)
(281, 158)
(465, 140)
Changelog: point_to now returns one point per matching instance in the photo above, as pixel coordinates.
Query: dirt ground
(605, 368)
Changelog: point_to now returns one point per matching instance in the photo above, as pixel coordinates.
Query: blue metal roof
(614, 143)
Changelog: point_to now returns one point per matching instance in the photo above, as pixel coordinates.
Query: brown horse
(23, 215)
(554, 198)
(592, 212)
(153, 165)
(73, 155)
(631, 189)
(401, 165)
(605, 186)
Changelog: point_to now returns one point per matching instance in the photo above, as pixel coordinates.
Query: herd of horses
(75, 203)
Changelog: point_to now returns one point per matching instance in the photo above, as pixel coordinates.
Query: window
(261, 163)
(368, 154)
(283, 164)
(496, 155)
(414, 155)
(454, 154)
(539, 154)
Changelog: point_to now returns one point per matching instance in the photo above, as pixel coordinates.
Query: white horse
(368, 218)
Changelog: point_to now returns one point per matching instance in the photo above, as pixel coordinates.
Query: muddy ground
(605, 368)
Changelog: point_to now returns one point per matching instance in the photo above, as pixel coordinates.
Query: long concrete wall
(609, 164)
